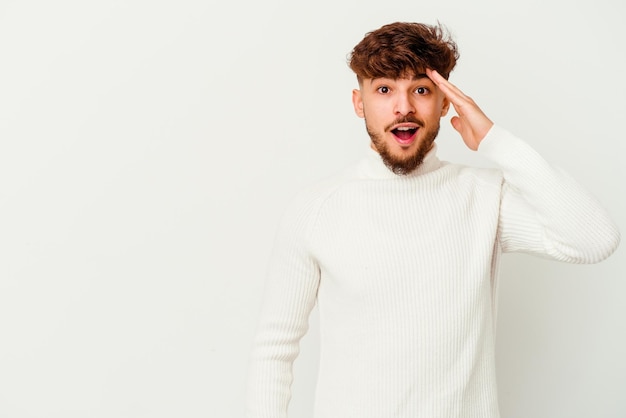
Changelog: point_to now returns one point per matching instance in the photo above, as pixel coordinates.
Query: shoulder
(304, 206)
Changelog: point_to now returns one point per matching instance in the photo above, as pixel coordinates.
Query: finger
(440, 81)
(456, 96)
(456, 123)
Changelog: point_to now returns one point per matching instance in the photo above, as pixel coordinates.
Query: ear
(445, 106)
(357, 102)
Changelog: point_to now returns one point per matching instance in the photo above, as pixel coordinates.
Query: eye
(422, 90)
(383, 89)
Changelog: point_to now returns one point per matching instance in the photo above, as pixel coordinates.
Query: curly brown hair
(404, 49)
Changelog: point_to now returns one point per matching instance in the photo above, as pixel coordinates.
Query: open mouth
(405, 134)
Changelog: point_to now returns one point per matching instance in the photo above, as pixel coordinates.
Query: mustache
(405, 119)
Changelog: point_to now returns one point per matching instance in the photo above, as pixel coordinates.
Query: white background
(147, 149)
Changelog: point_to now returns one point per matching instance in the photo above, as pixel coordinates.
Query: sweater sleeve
(290, 295)
(544, 211)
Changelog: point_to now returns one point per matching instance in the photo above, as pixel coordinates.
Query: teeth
(405, 128)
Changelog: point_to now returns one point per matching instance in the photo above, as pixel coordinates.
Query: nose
(403, 105)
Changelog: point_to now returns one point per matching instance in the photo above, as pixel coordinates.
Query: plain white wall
(148, 148)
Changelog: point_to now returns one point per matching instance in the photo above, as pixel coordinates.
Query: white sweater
(404, 269)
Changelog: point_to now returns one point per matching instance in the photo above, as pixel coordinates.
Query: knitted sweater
(404, 270)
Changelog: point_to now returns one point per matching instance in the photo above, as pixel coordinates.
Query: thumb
(456, 123)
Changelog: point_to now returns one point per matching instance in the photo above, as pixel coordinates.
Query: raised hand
(471, 122)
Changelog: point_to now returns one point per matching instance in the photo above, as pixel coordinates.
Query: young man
(402, 250)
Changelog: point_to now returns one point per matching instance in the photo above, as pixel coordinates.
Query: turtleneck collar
(374, 167)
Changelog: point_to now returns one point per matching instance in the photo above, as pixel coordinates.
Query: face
(402, 118)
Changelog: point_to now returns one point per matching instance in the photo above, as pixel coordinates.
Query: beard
(403, 165)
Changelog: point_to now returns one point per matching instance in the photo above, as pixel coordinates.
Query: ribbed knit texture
(404, 269)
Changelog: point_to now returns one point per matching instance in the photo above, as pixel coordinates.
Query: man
(401, 251)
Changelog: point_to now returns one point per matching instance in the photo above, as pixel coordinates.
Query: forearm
(282, 325)
(544, 211)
